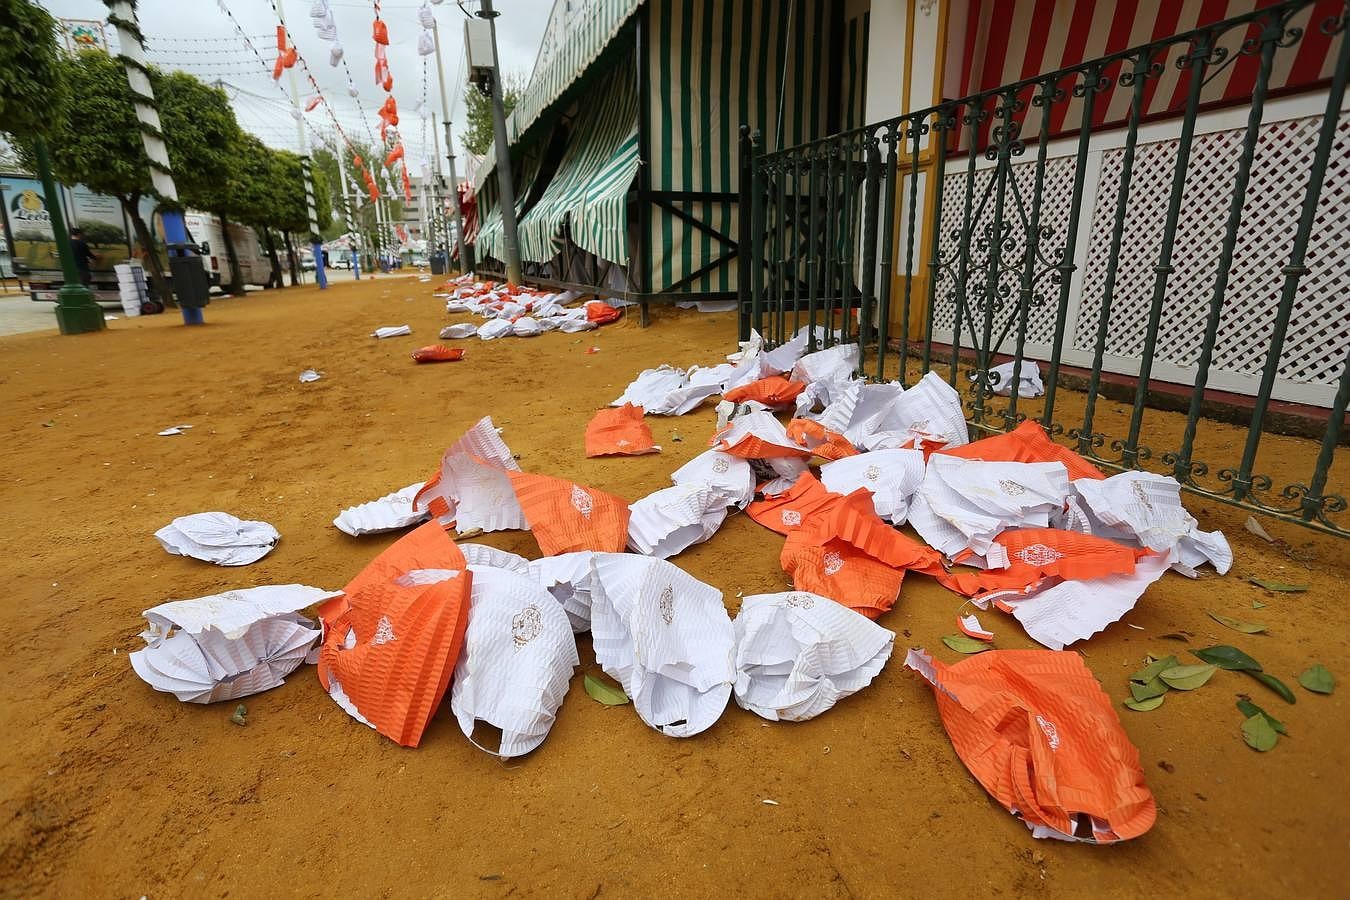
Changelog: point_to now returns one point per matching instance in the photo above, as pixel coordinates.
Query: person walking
(83, 255)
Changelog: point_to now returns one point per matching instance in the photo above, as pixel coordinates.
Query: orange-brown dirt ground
(111, 789)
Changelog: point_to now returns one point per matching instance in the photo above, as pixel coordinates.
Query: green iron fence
(1127, 250)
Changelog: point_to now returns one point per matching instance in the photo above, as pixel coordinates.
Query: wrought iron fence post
(747, 254)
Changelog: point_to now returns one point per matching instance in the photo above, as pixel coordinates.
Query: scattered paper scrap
(309, 375)
(218, 537)
(230, 645)
(388, 331)
(389, 513)
(174, 429)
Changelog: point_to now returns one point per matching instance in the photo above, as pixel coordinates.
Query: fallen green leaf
(1318, 679)
(1279, 586)
(1142, 692)
(1151, 671)
(1148, 705)
(1249, 709)
(240, 716)
(1275, 685)
(1230, 658)
(962, 644)
(608, 694)
(1257, 604)
(1236, 625)
(1258, 734)
(1188, 678)
(51, 424)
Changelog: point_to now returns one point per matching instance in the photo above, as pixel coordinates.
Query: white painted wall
(886, 59)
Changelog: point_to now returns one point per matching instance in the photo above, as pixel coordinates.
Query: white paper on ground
(708, 306)
(516, 663)
(681, 401)
(493, 329)
(458, 332)
(798, 653)
(1144, 510)
(1071, 611)
(713, 375)
(783, 357)
(218, 537)
(673, 519)
(389, 331)
(309, 375)
(834, 364)
(726, 411)
(893, 476)
(651, 387)
(928, 411)
(666, 637)
(526, 326)
(567, 577)
(229, 645)
(484, 489)
(777, 474)
(389, 513)
(571, 325)
(965, 503)
(174, 429)
(729, 475)
(1029, 384)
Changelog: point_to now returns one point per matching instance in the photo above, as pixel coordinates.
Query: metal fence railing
(1075, 223)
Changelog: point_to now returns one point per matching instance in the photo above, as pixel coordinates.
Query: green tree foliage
(477, 138)
(30, 83)
(202, 136)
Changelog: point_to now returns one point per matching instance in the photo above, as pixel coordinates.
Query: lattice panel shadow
(1315, 349)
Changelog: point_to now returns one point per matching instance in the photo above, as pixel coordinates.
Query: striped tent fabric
(715, 65)
(592, 180)
(1063, 33)
(588, 31)
(489, 240)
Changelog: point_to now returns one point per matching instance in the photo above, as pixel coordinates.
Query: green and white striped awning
(489, 239)
(592, 180)
(581, 35)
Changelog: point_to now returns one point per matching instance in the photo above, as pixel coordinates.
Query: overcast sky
(204, 42)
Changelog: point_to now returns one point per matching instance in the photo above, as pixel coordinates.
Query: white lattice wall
(1319, 330)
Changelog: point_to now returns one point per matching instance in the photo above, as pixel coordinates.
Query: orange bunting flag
(394, 155)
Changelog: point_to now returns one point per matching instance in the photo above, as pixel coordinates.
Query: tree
(96, 141)
(30, 82)
(202, 137)
(478, 113)
(253, 195)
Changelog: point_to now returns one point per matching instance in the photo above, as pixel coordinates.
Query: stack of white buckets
(131, 287)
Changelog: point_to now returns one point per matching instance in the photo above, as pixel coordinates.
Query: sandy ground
(110, 789)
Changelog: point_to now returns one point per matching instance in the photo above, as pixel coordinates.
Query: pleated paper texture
(666, 637)
(517, 660)
(798, 654)
(218, 537)
(391, 512)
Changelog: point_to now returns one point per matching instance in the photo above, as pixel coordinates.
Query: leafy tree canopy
(477, 138)
(30, 86)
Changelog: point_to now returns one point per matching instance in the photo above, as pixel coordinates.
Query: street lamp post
(456, 223)
(504, 186)
(76, 309)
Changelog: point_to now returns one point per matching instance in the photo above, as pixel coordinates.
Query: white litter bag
(567, 577)
(228, 645)
(474, 494)
(893, 476)
(729, 475)
(1029, 382)
(526, 326)
(965, 503)
(666, 637)
(219, 538)
(389, 331)
(1070, 611)
(833, 365)
(928, 412)
(797, 654)
(389, 513)
(673, 519)
(651, 387)
(517, 661)
(1144, 510)
(459, 332)
(493, 329)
